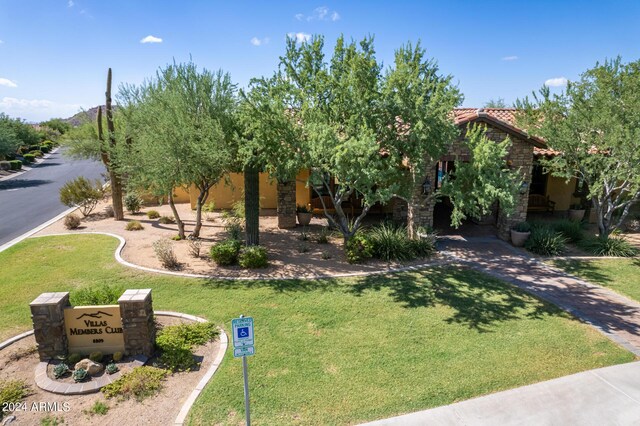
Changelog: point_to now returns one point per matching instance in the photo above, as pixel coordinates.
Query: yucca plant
(609, 246)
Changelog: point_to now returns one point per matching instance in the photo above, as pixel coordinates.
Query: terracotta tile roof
(505, 117)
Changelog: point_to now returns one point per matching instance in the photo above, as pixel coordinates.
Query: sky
(54, 54)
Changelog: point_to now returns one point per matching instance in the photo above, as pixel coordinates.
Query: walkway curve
(123, 242)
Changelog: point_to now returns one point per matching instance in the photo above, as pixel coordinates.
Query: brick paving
(615, 316)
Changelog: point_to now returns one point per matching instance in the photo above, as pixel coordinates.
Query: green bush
(5, 165)
(117, 356)
(28, 158)
(134, 225)
(132, 202)
(389, 242)
(522, 227)
(96, 356)
(36, 153)
(12, 391)
(99, 294)
(83, 193)
(425, 244)
(166, 220)
(153, 214)
(176, 343)
(253, 257)
(74, 358)
(99, 408)
(15, 164)
(44, 149)
(358, 249)
(570, 229)
(71, 221)
(34, 147)
(226, 253)
(611, 246)
(545, 241)
(140, 383)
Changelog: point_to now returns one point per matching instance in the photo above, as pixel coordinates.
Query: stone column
(287, 204)
(139, 331)
(47, 314)
(399, 211)
(420, 208)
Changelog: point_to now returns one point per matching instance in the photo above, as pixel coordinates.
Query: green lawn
(336, 351)
(620, 275)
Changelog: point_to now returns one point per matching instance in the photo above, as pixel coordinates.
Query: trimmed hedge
(253, 257)
(226, 253)
(28, 158)
(5, 165)
(15, 164)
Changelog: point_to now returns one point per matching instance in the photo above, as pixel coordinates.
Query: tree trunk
(176, 216)
(116, 180)
(116, 195)
(252, 205)
(204, 193)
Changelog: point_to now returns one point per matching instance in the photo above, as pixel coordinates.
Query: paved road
(31, 199)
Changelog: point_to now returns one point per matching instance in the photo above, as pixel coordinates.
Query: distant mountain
(90, 114)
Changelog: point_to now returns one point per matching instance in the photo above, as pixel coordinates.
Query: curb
(36, 229)
(123, 242)
(23, 171)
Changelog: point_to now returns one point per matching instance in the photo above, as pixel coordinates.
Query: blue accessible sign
(242, 329)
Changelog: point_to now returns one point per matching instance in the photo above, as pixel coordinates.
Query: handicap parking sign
(242, 332)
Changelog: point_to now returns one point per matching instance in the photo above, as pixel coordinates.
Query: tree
(495, 103)
(9, 141)
(419, 103)
(476, 185)
(594, 124)
(57, 124)
(189, 116)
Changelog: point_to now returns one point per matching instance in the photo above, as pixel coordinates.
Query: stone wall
(136, 310)
(287, 204)
(47, 315)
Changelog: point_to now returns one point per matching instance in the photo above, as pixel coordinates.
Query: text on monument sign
(94, 328)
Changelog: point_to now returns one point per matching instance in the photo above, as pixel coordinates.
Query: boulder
(92, 368)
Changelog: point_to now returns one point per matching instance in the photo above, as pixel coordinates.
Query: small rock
(8, 420)
(92, 368)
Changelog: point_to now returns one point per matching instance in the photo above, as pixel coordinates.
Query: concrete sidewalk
(607, 396)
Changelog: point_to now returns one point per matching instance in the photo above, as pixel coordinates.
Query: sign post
(242, 348)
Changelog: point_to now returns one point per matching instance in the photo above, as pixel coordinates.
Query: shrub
(194, 248)
(74, 358)
(570, 229)
(545, 241)
(326, 255)
(522, 227)
(71, 221)
(323, 236)
(166, 220)
(5, 165)
(303, 248)
(34, 147)
(302, 209)
(165, 254)
(96, 356)
(233, 229)
(36, 153)
(141, 382)
(425, 244)
(153, 214)
(80, 375)
(15, 164)
(99, 294)
(611, 246)
(83, 193)
(132, 202)
(60, 370)
(12, 391)
(50, 420)
(28, 158)
(117, 356)
(176, 343)
(390, 242)
(358, 249)
(134, 225)
(99, 408)
(111, 368)
(253, 257)
(225, 253)
(44, 149)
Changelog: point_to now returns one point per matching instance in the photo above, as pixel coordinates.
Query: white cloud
(259, 41)
(322, 13)
(36, 109)
(6, 82)
(151, 39)
(70, 3)
(300, 37)
(556, 82)
(510, 58)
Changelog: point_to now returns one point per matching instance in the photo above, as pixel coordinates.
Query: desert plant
(140, 383)
(545, 241)
(253, 257)
(132, 202)
(609, 246)
(71, 221)
(358, 249)
(111, 368)
(570, 229)
(99, 408)
(117, 356)
(98, 294)
(176, 343)
(134, 225)
(233, 228)
(225, 253)
(390, 242)
(80, 375)
(326, 255)
(153, 214)
(194, 248)
(323, 236)
(60, 370)
(96, 356)
(12, 391)
(165, 254)
(74, 358)
(166, 220)
(83, 193)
